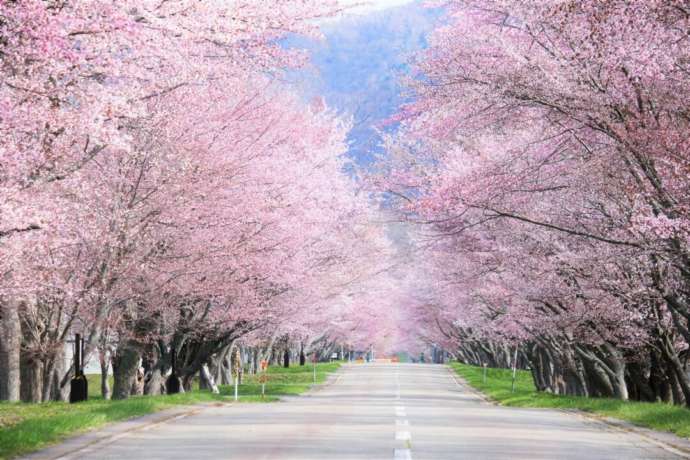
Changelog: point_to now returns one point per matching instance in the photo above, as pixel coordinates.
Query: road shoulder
(665, 440)
(72, 446)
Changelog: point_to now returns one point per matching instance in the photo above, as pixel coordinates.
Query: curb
(72, 446)
(462, 383)
(663, 439)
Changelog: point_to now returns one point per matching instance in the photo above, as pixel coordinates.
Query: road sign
(264, 365)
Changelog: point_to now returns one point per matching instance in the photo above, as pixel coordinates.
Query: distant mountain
(357, 67)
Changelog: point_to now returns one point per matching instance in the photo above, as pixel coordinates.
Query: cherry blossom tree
(159, 187)
(545, 154)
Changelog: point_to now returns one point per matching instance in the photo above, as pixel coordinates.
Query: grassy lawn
(28, 427)
(658, 416)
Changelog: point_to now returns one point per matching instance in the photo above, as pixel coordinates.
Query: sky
(356, 68)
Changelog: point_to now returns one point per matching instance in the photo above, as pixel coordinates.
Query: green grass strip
(658, 416)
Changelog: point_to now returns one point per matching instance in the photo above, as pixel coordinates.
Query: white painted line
(400, 412)
(99, 443)
(606, 425)
(403, 436)
(402, 423)
(402, 454)
(469, 389)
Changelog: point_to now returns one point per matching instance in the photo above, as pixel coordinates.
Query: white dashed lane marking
(402, 427)
(403, 436)
(402, 454)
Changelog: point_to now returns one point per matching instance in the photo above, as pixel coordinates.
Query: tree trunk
(255, 360)
(10, 346)
(216, 364)
(59, 392)
(154, 383)
(620, 385)
(639, 384)
(206, 380)
(286, 358)
(105, 368)
(125, 367)
(676, 369)
(187, 382)
(48, 374)
(226, 369)
(31, 389)
(53, 370)
(658, 379)
(138, 383)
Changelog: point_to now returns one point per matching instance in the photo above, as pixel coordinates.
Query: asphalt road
(378, 411)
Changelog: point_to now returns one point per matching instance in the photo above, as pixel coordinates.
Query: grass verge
(657, 416)
(28, 427)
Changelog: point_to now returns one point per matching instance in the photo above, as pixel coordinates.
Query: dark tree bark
(255, 360)
(31, 388)
(125, 366)
(639, 384)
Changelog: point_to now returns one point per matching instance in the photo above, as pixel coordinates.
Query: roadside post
(484, 374)
(263, 378)
(512, 386)
(236, 375)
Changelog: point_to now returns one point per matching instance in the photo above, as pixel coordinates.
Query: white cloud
(367, 6)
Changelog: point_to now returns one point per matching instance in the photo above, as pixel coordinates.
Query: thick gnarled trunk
(125, 369)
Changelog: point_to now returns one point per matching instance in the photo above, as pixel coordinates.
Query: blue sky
(357, 67)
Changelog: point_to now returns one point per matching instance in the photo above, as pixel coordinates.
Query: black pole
(79, 387)
(81, 357)
(77, 355)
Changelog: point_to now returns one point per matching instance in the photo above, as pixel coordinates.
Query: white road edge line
(476, 393)
(104, 442)
(667, 447)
